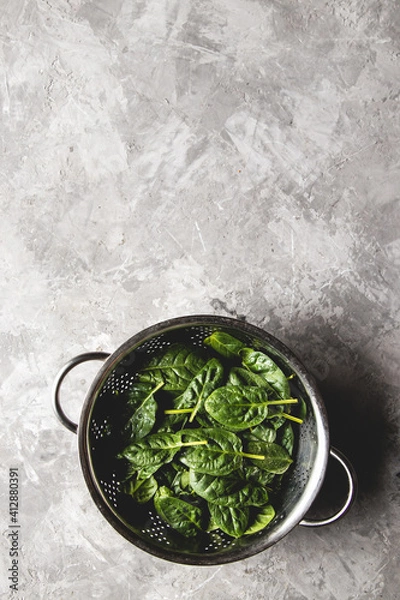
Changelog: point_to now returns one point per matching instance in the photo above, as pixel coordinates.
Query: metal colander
(100, 442)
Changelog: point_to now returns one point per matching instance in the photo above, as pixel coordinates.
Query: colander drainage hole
(98, 430)
(111, 490)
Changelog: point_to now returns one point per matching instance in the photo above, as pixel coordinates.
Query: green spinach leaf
(276, 459)
(243, 378)
(238, 408)
(262, 518)
(175, 367)
(221, 455)
(263, 365)
(141, 490)
(232, 520)
(191, 400)
(180, 515)
(156, 449)
(228, 490)
(144, 405)
(253, 474)
(286, 438)
(263, 432)
(225, 344)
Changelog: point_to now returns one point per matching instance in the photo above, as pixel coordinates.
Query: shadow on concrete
(359, 428)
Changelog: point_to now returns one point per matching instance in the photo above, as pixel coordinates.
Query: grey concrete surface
(163, 158)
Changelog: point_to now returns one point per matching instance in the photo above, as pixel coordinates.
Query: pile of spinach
(208, 436)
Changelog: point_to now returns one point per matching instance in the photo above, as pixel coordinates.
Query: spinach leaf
(184, 481)
(221, 455)
(141, 400)
(198, 390)
(255, 475)
(276, 419)
(263, 365)
(228, 490)
(206, 420)
(302, 411)
(276, 459)
(237, 408)
(225, 344)
(180, 515)
(286, 438)
(211, 487)
(243, 378)
(240, 408)
(232, 520)
(176, 477)
(263, 432)
(175, 367)
(141, 490)
(206, 381)
(262, 518)
(167, 474)
(155, 450)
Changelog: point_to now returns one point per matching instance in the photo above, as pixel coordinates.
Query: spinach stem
(253, 456)
(287, 401)
(195, 409)
(178, 411)
(158, 386)
(291, 418)
(195, 443)
(269, 402)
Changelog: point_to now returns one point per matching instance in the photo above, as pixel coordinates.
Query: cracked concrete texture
(162, 158)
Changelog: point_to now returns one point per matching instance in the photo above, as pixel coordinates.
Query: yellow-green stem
(291, 418)
(196, 443)
(252, 456)
(178, 411)
(286, 401)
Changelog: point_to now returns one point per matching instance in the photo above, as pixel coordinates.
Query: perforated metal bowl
(99, 443)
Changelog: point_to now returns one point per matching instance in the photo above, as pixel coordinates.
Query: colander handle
(65, 420)
(351, 493)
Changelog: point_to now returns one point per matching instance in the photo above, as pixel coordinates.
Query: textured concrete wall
(165, 157)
